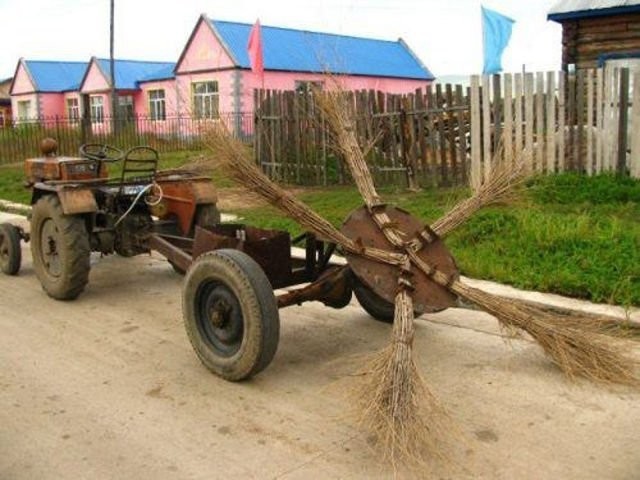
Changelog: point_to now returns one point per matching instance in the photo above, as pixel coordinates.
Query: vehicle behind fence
(21, 139)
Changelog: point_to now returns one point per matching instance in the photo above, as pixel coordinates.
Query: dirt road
(107, 387)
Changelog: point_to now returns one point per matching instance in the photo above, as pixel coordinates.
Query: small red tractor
(77, 208)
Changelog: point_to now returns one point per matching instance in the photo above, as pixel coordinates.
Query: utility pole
(114, 104)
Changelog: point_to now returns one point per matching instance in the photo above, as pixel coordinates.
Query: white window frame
(2, 118)
(125, 102)
(157, 105)
(96, 106)
(24, 110)
(205, 99)
(73, 109)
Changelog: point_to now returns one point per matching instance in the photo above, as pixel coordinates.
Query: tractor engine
(132, 233)
(52, 167)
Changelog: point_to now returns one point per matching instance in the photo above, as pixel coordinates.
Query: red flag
(254, 47)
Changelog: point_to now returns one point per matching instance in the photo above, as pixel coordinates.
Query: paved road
(107, 387)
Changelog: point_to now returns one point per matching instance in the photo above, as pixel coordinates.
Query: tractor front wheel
(60, 249)
(10, 253)
(230, 314)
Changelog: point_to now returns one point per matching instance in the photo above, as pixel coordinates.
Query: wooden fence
(421, 138)
(586, 122)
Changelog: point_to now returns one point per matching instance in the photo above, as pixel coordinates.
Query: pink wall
(204, 52)
(170, 97)
(95, 80)
(52, 104)
(287, 81)
(22, 83)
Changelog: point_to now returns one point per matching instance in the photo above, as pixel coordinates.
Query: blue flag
(496, 32)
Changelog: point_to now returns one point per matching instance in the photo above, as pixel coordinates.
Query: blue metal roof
(54, 76)
(577, 9)
(303, 51)
(130, 72)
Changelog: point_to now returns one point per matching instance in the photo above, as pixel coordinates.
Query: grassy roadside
(567, 234)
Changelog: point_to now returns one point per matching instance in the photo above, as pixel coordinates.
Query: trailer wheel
(230, 314)
(10, 253)
(60, 249)
(374, 305)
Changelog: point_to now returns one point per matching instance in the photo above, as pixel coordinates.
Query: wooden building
(5, 102)
(598, 33)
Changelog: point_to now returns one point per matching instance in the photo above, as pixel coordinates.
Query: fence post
(408, 164)
(623, 117)
(476, 130)
(634, 161)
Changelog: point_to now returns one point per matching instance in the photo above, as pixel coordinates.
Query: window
(306, 87)
(96, 103)
(125, 107)
(24, 109)
(2, 120)
(205, 99)
(73, 110)
(157, 105)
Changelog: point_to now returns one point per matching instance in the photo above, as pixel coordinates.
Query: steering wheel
(99, 152)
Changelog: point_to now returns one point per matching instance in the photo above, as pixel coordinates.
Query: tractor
(78, 208)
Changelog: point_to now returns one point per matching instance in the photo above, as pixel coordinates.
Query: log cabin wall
(585, 40)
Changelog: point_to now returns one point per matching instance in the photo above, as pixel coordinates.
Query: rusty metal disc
(382, 278)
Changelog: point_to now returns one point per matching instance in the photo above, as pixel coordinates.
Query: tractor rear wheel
(230, 314)
(60, 249)
(10, 253)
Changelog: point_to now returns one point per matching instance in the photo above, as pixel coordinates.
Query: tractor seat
(139, 164)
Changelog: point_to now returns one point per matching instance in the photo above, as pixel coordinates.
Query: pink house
(134, 98)
(213, 73)
(46, 89)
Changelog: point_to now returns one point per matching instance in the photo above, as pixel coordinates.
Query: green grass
(12, 184)
(567, 234)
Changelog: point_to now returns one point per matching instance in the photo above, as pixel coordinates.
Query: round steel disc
(428, 296)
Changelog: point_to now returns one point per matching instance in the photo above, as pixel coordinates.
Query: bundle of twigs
(395, 403)
(402, 422)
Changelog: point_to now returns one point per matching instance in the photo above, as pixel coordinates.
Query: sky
(445, 34)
